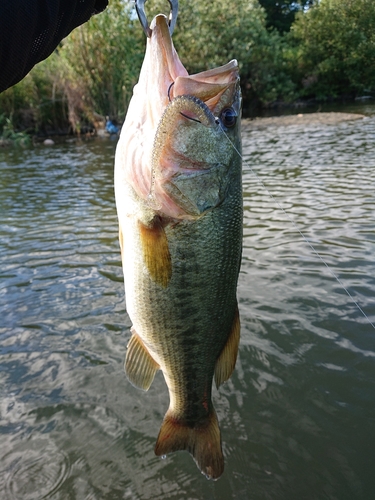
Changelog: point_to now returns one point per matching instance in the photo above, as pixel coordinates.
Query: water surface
(297, 416)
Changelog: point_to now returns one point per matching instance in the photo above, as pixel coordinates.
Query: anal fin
(156, 251)
(226, 362)
(140, 367)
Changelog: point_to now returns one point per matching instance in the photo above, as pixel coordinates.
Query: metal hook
(140, 8)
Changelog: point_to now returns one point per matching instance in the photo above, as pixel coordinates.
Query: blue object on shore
(111, 127)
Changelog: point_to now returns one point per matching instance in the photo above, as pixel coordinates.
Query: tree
(100, 61)
(105, 55)
(281, 13)
(96, 67)
(335, 43)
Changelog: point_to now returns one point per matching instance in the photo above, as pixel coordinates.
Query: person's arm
(30, 30)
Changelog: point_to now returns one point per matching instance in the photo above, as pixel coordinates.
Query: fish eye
(228, 117)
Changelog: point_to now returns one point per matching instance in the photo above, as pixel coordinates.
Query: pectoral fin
(227, 360)
(156, 252)
(140, 367)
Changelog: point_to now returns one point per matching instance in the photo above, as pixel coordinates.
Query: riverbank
(317, 118)
(303, 119)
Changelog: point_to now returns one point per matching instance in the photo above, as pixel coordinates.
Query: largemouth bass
(179, 203)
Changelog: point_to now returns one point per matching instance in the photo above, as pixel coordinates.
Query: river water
(297, 416)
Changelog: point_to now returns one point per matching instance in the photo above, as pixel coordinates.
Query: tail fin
(203, 442)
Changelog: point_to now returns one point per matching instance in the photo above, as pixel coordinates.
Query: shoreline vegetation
(290, 56)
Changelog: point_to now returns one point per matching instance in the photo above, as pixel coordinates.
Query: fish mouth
(215, 87)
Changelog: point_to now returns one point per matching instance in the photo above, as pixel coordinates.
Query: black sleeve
(30, 30)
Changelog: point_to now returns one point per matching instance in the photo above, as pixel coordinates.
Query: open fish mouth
(170, 79)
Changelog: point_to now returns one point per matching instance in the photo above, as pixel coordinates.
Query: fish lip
(216, 87)
(164, 54)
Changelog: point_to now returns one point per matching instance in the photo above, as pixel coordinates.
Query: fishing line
(259, 180)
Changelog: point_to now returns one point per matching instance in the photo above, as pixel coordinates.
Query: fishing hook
(169, 91)
(140, 8)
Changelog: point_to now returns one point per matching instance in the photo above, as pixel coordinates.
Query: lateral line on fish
(259, 180)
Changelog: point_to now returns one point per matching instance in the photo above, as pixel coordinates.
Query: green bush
(330, 51)
(100, 62)
(9, 137)
(335, 53)
(36, 102)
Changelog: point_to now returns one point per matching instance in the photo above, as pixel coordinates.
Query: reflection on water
(297, 416)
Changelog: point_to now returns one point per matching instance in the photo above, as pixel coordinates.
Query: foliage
(89, 76)
(329, 51)
(8, 136)
(280, 15)
(35, 103)
(100, 62)
(336, 48)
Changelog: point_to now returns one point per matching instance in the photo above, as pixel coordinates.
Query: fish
(178, 190)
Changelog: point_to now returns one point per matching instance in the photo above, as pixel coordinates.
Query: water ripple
(298, 412)
(36, 472)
